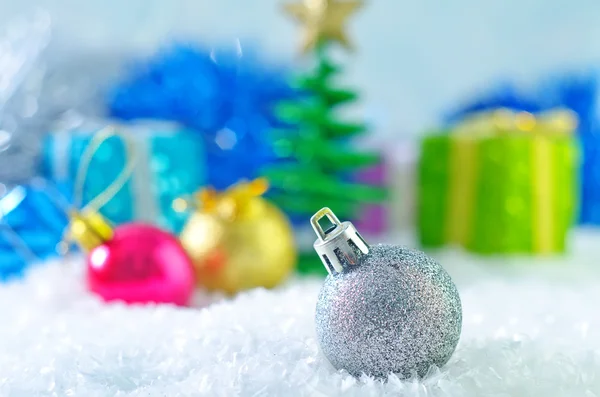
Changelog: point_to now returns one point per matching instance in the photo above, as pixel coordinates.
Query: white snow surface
(531, 328)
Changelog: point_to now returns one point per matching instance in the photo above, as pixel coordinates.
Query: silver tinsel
(44, 80)
(394, 311)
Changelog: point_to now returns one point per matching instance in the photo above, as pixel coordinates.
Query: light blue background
(413, 59)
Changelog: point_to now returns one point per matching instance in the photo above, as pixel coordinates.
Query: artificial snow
(531, 328)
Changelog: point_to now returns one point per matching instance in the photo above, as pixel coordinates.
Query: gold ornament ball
(238, 240)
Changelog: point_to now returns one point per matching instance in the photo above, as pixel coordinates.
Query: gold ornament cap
(340, 246)
(89, 229)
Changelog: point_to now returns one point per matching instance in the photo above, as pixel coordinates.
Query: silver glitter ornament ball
(383, 309)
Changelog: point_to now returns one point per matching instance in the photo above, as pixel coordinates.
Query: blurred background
(416, 56)
(461, 124)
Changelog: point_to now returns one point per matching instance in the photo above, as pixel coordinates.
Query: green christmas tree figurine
(318, 161)
(322, 161)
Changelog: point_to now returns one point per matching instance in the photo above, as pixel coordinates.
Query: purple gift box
(374, 218)
(396, 172)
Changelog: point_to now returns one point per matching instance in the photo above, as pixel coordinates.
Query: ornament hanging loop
(340, 247)
(322, 213)
(87, 227)
(100, 200)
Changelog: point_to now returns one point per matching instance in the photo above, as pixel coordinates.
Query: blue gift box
(31, 226)
(169, 164)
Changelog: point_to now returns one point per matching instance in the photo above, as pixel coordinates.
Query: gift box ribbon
(558, 122)
(464, 168)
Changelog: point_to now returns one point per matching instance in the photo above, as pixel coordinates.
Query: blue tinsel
(578, 92)
(229, 98)
(30, 229)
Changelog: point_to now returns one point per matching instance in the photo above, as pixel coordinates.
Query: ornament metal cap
(340, 246)
(89, 229)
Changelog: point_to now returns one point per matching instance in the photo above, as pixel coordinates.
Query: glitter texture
(397, 311)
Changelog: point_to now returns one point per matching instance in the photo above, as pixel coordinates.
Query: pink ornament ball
(141, 264)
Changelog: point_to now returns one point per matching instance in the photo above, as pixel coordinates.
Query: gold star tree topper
(323, 20)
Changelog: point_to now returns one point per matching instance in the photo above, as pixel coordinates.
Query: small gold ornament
(323, 20)
(238, 240)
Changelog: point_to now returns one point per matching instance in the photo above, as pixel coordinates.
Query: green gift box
(500, 182)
